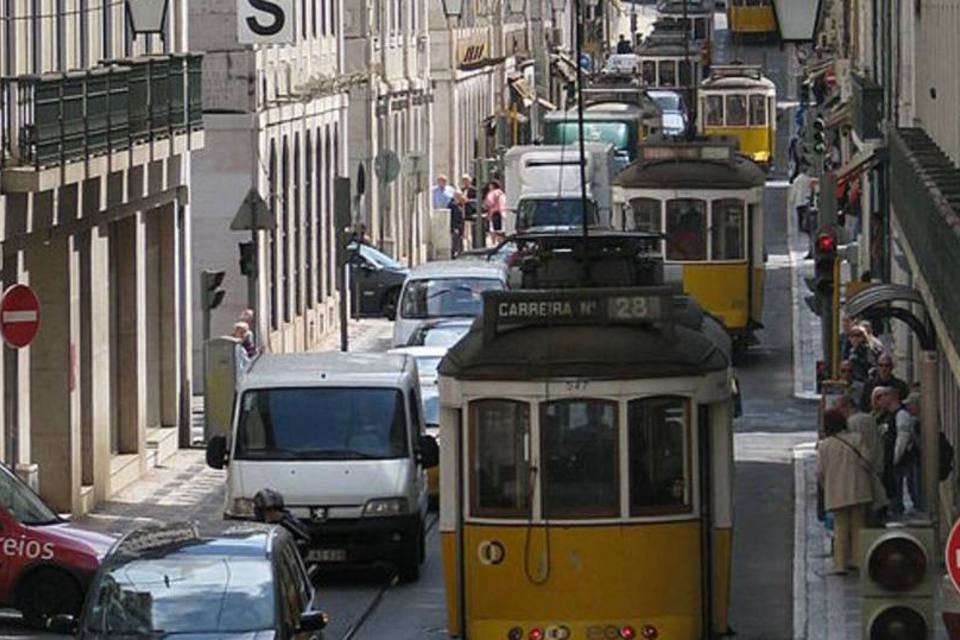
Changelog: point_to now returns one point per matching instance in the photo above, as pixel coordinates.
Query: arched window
(309, 222)
(320, 261)
(285, 229)
(331, 252)
(297, 228)
(272, 239)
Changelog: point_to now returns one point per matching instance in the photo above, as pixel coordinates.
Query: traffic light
(824, 257)
(819, 136)
(896, 583)
(212, 294)
(248, 258)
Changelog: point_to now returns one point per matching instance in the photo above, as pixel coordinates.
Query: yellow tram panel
(751, 17)
(721, 288)
(757, 143)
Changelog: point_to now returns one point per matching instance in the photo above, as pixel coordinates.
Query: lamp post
(147, 16)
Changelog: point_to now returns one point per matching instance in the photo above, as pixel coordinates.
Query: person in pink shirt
(494, 205)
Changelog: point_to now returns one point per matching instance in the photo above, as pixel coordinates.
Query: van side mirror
(429, 452)
(217, 452)
(63, 623)
(313, 621)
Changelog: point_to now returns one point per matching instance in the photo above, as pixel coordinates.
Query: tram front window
(648, 69)
(686, 229)
(727, 232)
(700, 29)
(646, 215)
(737, 111)
(659, 480)
(758, 111)
(580, 460)
(668, 73)
(684, 67)
(713, 109)
(499, 440)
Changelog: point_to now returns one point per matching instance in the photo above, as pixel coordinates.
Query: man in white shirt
(442, 193)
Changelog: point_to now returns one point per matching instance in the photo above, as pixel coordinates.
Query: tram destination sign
(576, 306)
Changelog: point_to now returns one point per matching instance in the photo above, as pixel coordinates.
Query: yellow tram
(708, 202)
(589, 486)
(699, 18)
(738, 100)
(751, 17)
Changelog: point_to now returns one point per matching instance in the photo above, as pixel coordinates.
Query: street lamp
(147, 16)
(452, 8)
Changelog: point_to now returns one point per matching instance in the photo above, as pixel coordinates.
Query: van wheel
(409, 565)
(46, 593)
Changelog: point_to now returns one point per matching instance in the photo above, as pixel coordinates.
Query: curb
(800, 453)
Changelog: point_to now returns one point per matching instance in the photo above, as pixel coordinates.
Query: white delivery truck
(542, 184)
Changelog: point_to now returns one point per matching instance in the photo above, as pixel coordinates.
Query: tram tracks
(353, 631)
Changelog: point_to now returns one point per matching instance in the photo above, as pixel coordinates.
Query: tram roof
(674, 8)
(668, 45)
(657, 171)
(737, 76)
(693, 344)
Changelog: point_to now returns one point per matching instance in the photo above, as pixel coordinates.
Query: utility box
(220, 384)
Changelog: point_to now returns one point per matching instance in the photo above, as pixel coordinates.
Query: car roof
(458, 269)
(420, 351)
(330, 368)
(182, 540)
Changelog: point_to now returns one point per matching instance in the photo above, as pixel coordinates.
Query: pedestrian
(908, 450)
(882, 376)
(871, 441)
(457, 215)
(494, 205)
(896, 424)
(470, 193)
(855, 387)
(842, 471)
(249, 343)
(623, 45)
(442, 193)
(861, 359)
(876, 347)
(240, 357)
(846, 325)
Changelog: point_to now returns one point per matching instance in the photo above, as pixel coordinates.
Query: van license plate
(327, 555)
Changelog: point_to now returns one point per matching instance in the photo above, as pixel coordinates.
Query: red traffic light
(826, 243)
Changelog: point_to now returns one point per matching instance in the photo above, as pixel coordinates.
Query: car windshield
(180, 595)
(22, 503)
(554, 213)
(431, 405)
(445, 336)
(322, 423)
(667, 102)
(377, 257)
(445, 297)
(616, 133)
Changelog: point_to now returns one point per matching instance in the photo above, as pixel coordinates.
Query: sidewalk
(184, 488)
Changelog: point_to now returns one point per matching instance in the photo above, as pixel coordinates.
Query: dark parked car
(168, 581)
(377, 278)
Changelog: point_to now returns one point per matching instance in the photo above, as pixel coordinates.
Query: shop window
(686, 229)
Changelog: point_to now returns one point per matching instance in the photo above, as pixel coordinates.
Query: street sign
(253, 214)
(266, 22)
(19, 315)
(387, 166)
(951, 557)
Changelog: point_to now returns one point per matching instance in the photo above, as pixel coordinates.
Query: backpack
(946, 457)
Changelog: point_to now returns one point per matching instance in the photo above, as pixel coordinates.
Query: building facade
(98, 129)
(276, 118)
(391, 115)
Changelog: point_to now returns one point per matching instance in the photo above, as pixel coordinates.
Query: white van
(341, 437)
(444, 289)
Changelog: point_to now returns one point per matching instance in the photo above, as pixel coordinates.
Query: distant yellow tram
(707, 200)
(751, 17)
(587, 489)
(738, 100)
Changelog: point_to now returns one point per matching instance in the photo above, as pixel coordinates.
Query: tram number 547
(633, 308)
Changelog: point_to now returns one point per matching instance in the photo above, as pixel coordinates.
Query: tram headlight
(385, 507)
(627, 632)
(515, 633)
(536, 634)
(649, 632)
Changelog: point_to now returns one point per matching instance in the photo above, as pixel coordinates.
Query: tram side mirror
(429, 452)
(737, 398)
(217, 452)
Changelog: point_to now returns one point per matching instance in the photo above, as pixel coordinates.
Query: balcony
(63, 127)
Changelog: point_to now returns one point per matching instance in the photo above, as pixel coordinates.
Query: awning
(839, 115)
(565, 66)
(861, 161)
(522, 88)
(546, 104)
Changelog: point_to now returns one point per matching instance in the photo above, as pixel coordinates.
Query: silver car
(444, 289)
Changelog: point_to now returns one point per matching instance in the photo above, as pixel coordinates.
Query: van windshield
(445, 297)
(547, 212)
(322, 423)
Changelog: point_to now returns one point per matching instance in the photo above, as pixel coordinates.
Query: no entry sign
(951, 556)
(19, 315)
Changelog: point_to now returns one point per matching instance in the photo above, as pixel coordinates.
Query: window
(83, 29)
(700, 29)
(758, 111)
(580, 462)
(272, 238)
(686, 229)
(297, 228)
(322, 423)
(500, 466)
(303, 19)
(414, 404)
(445, 297)
(36, 28)
(648, 69)
(320, 257)
(646, 215)
(713, 108)
(22, 503)
(685, 79)
(285, 229)
(668, 73)
(658, 458)
(727, 233)
(309, 221)
(736, 110)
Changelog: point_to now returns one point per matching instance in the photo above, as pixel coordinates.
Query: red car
(46, 563)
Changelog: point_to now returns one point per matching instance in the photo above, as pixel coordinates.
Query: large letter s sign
(279, 19)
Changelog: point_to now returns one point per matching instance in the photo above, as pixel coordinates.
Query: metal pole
(835, 322)
(540, 67)
(344, 316)
(583, 158)
(930, 435)
(253, 300)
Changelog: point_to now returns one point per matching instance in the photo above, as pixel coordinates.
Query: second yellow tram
(751, 17)
(738, 100)
(707, 200)
(587, 468)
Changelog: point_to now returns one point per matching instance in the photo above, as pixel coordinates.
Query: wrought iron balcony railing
(53, 119)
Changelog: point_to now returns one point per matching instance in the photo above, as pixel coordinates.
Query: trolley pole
(578, 10)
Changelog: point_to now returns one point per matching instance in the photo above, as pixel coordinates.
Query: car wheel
(409, 565)
(46, 593)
